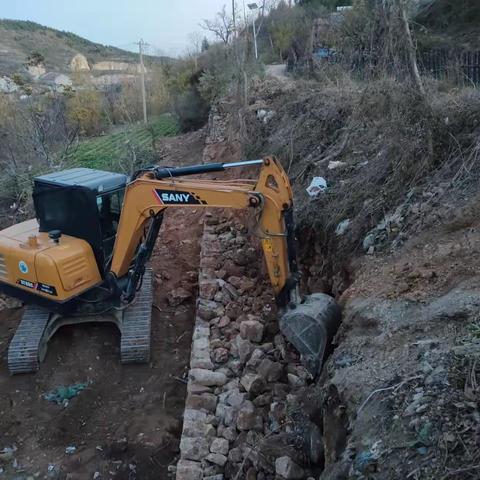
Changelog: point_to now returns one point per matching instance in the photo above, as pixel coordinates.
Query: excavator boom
(155, 190)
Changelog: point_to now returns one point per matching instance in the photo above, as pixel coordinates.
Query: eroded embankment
(399, 396)
(396, 239)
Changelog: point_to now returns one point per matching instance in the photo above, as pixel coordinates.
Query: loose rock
(178, 296)
(188, 470)
(253, 383)
(217, 459)
(219, 445)
(252, 330)
(194, 448)
(286, 468)
(207, 377)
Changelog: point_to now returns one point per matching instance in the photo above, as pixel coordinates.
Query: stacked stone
(242, 375)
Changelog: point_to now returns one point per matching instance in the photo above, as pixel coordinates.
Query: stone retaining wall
(246, 413)
(240, 408)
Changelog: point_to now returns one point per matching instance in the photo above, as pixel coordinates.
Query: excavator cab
(84, 204)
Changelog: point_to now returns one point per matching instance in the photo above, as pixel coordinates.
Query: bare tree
(196, 40)
(410, 47)
(222, 26)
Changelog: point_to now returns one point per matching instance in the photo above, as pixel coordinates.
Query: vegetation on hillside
(124, 150)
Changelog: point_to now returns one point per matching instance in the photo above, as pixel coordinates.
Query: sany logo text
(175, 197)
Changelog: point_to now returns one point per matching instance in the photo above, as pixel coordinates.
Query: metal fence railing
(461, 67)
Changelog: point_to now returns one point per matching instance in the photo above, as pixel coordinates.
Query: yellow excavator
(84, 258)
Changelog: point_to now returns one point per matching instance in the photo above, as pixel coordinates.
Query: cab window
(109, 208)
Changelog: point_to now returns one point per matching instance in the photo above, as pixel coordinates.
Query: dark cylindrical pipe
(165, 172)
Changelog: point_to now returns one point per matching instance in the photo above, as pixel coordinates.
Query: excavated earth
(127, 423)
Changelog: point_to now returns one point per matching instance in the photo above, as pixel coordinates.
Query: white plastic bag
(318, 186)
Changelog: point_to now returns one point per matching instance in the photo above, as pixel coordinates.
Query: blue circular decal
(23, 267)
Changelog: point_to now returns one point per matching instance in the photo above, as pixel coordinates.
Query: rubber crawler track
(29, 344)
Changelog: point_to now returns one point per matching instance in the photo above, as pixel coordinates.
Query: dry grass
(395, 149)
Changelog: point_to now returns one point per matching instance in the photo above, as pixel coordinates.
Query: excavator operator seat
(83, 203)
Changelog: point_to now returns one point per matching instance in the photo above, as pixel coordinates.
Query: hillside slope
(19, 40)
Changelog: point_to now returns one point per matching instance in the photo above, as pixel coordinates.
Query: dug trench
(251, 409)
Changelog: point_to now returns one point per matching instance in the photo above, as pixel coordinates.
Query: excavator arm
(154, 190)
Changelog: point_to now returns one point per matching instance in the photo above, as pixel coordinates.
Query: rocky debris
(265, 115)
(252, 330)
(217, 459)
(217, 126)
(253, 384)
(249, 419)
(189, 470)
(194, 448)
(342, 227)
(286, 468)
(7, 85)
(219, 445)
(270, 371)
(205, 401)
(207, 378)
(178, 296)
(240, 390)
(220, 355)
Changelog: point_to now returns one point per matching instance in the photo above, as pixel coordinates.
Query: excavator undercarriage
(85, 257)
(28, 347)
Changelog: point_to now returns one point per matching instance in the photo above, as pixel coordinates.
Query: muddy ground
(127, 423)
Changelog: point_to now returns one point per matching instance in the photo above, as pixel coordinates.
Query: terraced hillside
(114, 151)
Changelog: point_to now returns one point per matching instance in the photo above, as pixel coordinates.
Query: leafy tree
(286, 25)
(85, 110)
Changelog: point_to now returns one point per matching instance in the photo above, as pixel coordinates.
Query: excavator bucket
(310, 328)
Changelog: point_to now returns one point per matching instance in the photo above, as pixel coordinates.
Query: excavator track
(27, 348)
(136, 324)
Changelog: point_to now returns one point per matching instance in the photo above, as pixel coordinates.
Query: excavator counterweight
(85, 257)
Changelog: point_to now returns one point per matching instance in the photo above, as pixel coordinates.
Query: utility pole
(142, 44)
(255, 38)
(234, 18)
(254, 7)
(235, 42)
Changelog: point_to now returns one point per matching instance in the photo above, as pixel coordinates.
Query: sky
(164, 24)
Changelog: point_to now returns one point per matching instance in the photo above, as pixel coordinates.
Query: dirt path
(279, 72)
(127, 423)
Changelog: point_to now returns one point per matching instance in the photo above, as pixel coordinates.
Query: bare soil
(127, 423)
